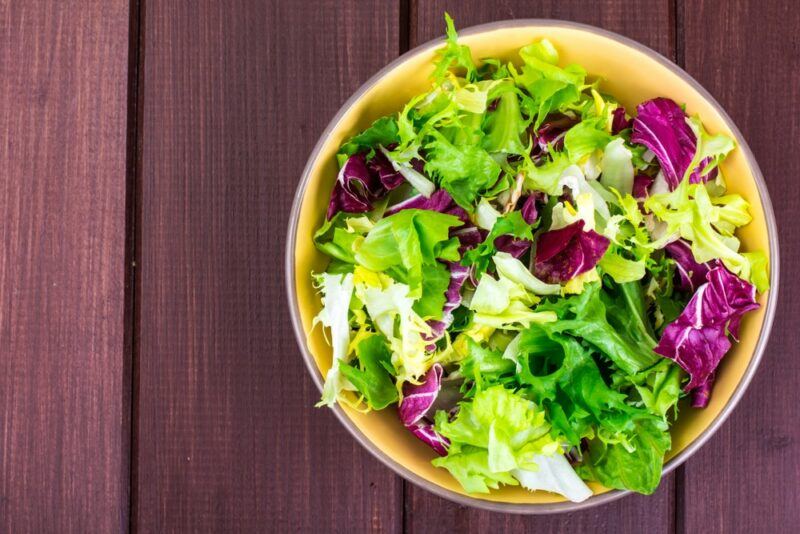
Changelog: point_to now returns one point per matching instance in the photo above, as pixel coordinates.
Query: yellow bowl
(632, 73)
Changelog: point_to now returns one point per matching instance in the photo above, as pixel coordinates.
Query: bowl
(632, 73)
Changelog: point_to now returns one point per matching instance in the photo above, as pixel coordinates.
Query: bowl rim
(595, 500)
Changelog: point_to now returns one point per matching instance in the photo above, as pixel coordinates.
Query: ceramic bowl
(632, 73)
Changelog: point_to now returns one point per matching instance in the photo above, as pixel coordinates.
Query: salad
(533, 275)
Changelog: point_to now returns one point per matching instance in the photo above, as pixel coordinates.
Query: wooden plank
(235, 96)
(64, 383)
(649, 23)
(744, 479)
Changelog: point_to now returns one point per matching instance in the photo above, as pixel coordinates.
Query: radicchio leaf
(380, 165)
(690, 273)
(417, 400)
(567, 252)
(550, 134)
(468, 236)
(619, 121)
(698, 339)
(702, 394)
(529, 210)
(661, 126)
(440, 201)
(355, 189)
(458, 275)
(512, 245)
(641, 186)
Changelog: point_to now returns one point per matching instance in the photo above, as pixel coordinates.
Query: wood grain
(64, 384)
(649, 23)
(745, 478)
(234, 97)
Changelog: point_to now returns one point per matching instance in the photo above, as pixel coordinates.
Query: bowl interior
(632, 75)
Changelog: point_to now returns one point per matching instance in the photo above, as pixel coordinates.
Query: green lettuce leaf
(406, 243)
(339, 236)
(383, 132)
(635, 466)
(504, 126)
(463, 170)
(586, 316)
(495, 433)
(391, 311)
(454, 55)
(372, 377)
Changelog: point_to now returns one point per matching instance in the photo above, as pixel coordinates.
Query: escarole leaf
(617, 167)
(454, 55)
(706, 222)
(505, 125)
(337, 290)
(551, 87)
(391, 310)
(504, 303)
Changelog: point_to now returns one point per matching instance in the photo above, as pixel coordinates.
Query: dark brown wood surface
(180, 403)
(64, 380)
(234, 97)
(745, 479)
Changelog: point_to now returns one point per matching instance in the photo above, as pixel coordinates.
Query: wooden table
(149, 379)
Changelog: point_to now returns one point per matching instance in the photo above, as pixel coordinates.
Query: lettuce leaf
(616, 327)
(568, 252)
(372, 377)
(337, 290)
(454, 55)
(511, 224)
(636, 465)
(698, 339)
(391, 310)
(382, 132)
(495, 433)
(465, 170)
(417, 401)
(406, 244)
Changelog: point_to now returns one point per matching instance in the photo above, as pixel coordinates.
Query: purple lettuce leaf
(458, 275)
(440, 201)
(417, 400)
(641, 186)
(565, 253)
(698, 339)
(529, 210)
(382, 167)
(469, 237)
(619, 121)
(361, 182)
(512, 245)
(551, 134)
(690, 274)
(426, 433)
(355, 189)
(661, 126)
(702, 394)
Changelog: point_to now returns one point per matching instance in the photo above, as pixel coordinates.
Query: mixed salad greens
(532, 276)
